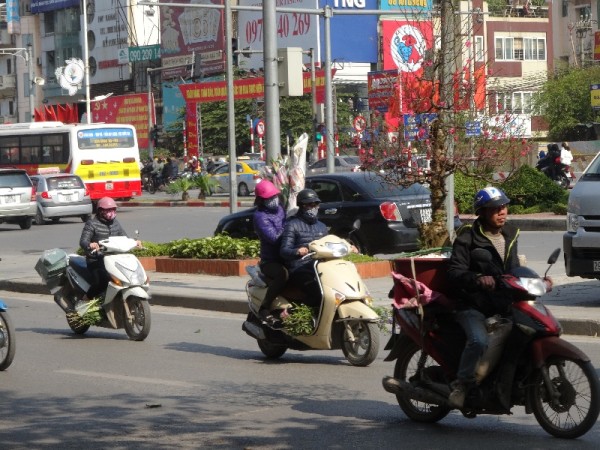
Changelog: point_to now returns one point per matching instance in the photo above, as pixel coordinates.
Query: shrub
(217, 247)
(152, 249)
(530, 188)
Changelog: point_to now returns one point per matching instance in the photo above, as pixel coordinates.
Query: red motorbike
(526, 363)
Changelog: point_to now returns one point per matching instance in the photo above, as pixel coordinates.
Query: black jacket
(463, 270)
(299, 232)
(96, 230)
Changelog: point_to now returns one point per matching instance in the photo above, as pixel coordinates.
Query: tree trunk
(185, 196)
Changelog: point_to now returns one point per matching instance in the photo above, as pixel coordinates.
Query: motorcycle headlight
(572, 222)
(337, 249)
(135, 276)
(533, 286)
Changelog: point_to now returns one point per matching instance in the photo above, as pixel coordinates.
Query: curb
(577, 327)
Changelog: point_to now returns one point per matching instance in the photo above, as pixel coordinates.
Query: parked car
(61, 195)
(17, 198)
(247, 176)
(581, 242)
(344, 163)
(389, 214)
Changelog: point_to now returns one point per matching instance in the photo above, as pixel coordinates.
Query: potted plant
(206, 184)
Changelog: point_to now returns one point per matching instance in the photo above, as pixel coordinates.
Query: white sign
(293, 30)
(123, 55)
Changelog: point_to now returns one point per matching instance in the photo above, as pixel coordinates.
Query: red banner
(245, 88)
(130, 109)
(191, 129)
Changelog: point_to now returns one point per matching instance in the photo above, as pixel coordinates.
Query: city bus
(105, 156)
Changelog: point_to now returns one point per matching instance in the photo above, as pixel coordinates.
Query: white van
(581, 242)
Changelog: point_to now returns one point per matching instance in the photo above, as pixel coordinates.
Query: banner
(381, 89)
(130, 109)
(246, 88)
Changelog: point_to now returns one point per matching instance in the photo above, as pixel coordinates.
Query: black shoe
(269, 319)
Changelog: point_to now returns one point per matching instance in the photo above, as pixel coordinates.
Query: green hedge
(217, 247)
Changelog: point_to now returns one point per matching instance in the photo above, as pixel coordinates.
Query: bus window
(54, 149)
(30, 149)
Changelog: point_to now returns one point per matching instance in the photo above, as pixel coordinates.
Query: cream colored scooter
(344, 320)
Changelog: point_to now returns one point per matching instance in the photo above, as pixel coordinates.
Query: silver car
(17, 198)
(344, 163)
(61, 195)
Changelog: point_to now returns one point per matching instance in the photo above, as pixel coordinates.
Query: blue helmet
(489, 197)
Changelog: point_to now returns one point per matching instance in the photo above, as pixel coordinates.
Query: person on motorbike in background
(96, 229)
(300, 230)
(475, 281)
(269, 219)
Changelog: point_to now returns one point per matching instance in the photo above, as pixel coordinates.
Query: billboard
(40, 6)
(354, 38)
(406, 6)
(185, 30)
(293, 30)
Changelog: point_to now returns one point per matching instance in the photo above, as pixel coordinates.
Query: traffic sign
(260, 128)
(144, 53)
(595, 96)
(360, 123)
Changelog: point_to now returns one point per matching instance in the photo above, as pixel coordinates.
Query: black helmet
(307, 196)
(489, 197)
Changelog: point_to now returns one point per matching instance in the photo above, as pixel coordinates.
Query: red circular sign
(260, 128)
(360, 123)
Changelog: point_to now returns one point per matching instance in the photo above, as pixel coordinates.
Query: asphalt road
(199, 382)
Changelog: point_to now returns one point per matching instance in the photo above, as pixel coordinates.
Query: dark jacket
(463, 270)
(299, 232)
(95, 230)
(268, 225)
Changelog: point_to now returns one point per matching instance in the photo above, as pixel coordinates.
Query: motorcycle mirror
(356, 225)
(554, 256)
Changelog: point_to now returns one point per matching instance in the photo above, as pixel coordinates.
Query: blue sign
(40, 6)
(416, 126)
(353, 37)
(414, 6)
(473, 129)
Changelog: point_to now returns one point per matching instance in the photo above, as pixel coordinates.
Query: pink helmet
(265, 189)
(106, 203)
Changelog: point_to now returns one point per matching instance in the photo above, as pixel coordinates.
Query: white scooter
(124, 304)
(344, 320)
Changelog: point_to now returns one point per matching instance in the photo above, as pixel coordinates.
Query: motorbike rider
(96, 229)
(269, 219)
(299, 231)
(551, 162)
(475, 282)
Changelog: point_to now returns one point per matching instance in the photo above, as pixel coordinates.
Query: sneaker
(458, 394)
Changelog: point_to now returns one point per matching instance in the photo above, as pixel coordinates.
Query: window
(519, 49)
(534, 49)
(49, 22)
(515, 102)
(8, 66)
(504, 48)
(478, 48)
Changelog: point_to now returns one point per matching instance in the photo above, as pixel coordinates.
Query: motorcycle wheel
(271, 351)
(576, 409)
(361, 344)
(75, 323)
(406, 368)
(151, 186)
(138, 327)
(562, 181)
(7, 341)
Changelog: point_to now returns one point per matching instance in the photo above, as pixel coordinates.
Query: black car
(389, 214)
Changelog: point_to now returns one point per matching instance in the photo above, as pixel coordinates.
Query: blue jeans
(473, 323)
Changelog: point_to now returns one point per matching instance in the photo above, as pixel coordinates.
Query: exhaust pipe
(400, 387)
(253, 330)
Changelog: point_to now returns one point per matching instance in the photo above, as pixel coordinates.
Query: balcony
(517, 8)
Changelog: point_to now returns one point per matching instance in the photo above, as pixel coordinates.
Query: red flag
(73, 113)
(50, 114)
(39, 115)
(62, 114)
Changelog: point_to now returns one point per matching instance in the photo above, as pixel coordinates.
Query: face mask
(312, 212)
(272, 203)
(109, 215)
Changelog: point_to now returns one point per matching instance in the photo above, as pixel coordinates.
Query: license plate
(6, 199)
(67, 198)
(109, 186)
(425, 215)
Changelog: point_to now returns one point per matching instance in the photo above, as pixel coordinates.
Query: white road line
(112, 376)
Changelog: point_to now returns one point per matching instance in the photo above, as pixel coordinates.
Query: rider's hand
(353, 249)
(549, 283)
(94, 246)
(486, 282)
(138, 243)
(302, 251)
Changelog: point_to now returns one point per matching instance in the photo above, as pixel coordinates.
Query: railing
(519, 10)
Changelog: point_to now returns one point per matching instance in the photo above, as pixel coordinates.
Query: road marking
(111, 376)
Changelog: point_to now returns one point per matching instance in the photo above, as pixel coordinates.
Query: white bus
(105, 156)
